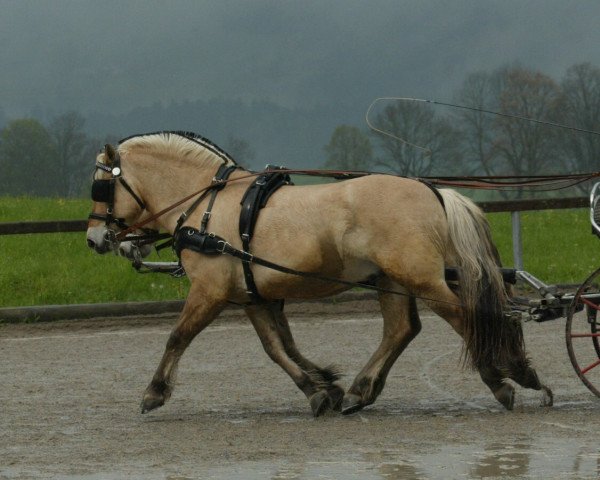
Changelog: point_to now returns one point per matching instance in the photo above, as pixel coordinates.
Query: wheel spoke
(590, 366)
(585, 358)
(590, 304)
(585, 335)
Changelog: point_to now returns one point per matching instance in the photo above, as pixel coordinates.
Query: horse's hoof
(351, 404)
(547, 397)
(506, 396)
(320, 402)
(151, 401)
(336, 394)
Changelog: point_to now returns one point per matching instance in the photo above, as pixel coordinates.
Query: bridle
(103, 191)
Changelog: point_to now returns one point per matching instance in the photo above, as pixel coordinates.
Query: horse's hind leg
(495, 380)
(527, 377)
(199, 312)
(494, 376)
(328, 375)
(401, 325)
(264, 319)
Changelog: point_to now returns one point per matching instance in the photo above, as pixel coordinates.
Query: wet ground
(71, 391)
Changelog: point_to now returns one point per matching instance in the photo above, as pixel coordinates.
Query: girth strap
(255, 198)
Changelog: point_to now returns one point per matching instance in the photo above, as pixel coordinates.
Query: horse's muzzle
(97, 240)
(134, 252)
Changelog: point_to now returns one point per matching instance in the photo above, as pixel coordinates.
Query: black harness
(255, 198)
(103, 191)
(253, 201)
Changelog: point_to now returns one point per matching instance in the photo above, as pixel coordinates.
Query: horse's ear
(110, 153)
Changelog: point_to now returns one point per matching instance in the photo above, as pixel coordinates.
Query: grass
(558, 246)
(46, 269)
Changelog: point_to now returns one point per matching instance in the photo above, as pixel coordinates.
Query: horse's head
(116, 205)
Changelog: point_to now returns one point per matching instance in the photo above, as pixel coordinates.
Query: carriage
(446, 258)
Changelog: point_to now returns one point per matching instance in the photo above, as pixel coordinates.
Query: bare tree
(349, 149)
(581, 93)
(528, 148)
(502, 145)
(416, 124)
(480, 91)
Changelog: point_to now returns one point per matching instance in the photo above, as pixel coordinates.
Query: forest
(51, 155)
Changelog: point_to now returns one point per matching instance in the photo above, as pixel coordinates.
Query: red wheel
(583, 333)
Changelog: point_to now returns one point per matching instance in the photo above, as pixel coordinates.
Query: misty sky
(104, 55)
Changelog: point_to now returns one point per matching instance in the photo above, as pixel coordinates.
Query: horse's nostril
(91, 243)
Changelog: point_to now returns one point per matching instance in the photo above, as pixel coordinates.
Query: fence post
(516, 240)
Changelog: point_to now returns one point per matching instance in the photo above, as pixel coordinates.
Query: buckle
(222, 245)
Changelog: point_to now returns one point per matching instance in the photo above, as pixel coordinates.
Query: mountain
(276, 134)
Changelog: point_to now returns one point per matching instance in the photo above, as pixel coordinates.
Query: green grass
(46, 269)
(28, 209)
(60, 269)
(558, 246)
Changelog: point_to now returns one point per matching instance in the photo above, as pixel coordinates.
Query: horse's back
(349, 229)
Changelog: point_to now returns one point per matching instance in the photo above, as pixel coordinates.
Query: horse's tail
(491, 337)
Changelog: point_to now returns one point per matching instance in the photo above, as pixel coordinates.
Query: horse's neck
(166, 182)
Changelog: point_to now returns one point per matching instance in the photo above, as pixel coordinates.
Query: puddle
(541, 458)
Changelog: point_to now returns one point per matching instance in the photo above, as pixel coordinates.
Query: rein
(202, 192)
(499, 182)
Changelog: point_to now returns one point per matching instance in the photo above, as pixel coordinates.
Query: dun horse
(399, 233)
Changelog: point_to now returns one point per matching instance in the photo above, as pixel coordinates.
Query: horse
(398, 232)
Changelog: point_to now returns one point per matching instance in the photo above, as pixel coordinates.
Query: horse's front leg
(264, 319)
(199, 311)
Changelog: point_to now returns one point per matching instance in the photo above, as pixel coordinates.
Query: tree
(28, 159)
(479, 91)
(581, 96)
(74, 152)
(3, 119)
(409, 126)
(501, 145)
(526, 147)
(240, 150)
(349, 149)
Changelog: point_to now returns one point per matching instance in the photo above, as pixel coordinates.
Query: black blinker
(101, 191)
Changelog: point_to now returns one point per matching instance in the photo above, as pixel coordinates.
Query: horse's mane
(181, 143)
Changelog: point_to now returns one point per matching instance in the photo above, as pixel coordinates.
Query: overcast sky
(115, 55)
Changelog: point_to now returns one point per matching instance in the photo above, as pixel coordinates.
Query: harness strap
(103, 190)
(434, 190)
(255, 198)
(218, 183)
(132, 193)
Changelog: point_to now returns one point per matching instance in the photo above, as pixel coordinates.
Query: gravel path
(71, 393)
